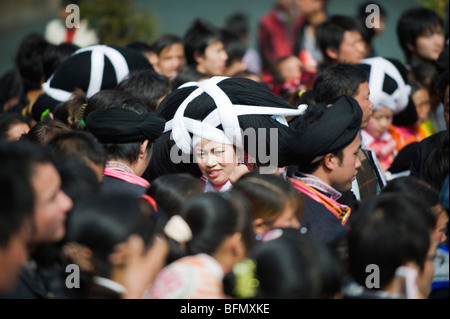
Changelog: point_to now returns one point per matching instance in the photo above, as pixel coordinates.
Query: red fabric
(274, 39)
(70, 34)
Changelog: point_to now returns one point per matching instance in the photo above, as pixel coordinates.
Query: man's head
(325, 142)
(204, 48)
(390, 231)
(127, 130)
(420, 33)
(170, 52)
(340, 40)
(344, 79)
(34, 207)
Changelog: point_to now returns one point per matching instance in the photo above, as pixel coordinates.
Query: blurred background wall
(20, 17)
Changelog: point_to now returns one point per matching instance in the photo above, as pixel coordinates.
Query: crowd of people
(198, 167)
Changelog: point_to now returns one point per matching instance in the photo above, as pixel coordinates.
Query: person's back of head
(78, 180)
(213, 217)
(45, 131)
(415, 23)
(389, 231)
(436, 165)
(147, 85)
(293, 266)
(81, 146)
(337, 80)
(238, 24)
(173, 190)
(54, 55)
(29, 61)
(101, 100)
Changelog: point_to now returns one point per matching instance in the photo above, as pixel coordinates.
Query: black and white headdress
(387, 86)
(220, 109)
(90, 69)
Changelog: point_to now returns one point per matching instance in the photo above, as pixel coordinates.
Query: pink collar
(127, 177)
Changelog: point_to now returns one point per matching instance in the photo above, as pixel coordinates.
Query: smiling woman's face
(216, 161)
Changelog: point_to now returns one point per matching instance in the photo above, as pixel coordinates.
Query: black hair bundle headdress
(222, 110)
(90, 69)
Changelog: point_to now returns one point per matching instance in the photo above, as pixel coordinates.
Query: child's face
(288, 218)
(171, 60)
(422, 102)
(430, 45)
(216, 161)
(380, 122)
(291, 69)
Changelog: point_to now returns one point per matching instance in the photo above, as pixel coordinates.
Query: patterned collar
(119, 166)
(320, 185)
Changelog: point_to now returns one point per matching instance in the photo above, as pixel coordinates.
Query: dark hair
(214, 216)
(140, 46)
(8, 120)
(269, 196)
(166, 41)
(126, 151)
(419, 189)
(54, 55)
(337, 80)
(198, 37)
(172, 191)
(275, 69)
(389, 230)
(234, 46)
(330, 33)
(187, 75)
(313, 114)
(238, 24)
(414, 23)
(302, 97)
(44, 131)
(241, 91)
(78, 180)
(102, 100)
(103, 221)
(13, 85)
(18, 160)
(29, 61)
(442, 84)
(79, 145)
(436, 164)
(146, 85)
(295, 266)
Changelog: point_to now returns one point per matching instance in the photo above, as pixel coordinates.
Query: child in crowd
(377, 137)
(286, 76)
(404, 135)
(275, 202)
